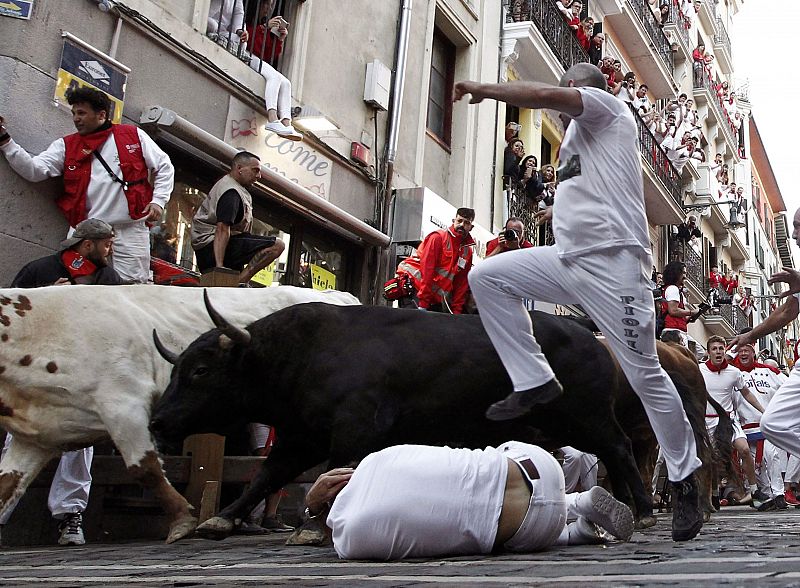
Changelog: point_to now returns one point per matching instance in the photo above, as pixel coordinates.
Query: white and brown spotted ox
(78, 365)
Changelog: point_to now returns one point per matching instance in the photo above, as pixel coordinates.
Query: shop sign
(83, 65)
(322, 279)
(265, 276)
(295, 160)
(17, 9)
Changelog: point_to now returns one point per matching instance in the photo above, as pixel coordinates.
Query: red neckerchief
(90, 143)
(716, 369)
(737, 363)
(77, 265)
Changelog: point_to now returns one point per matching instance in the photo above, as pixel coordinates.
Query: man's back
(45, 271)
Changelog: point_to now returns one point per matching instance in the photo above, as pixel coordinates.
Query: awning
(281, 189)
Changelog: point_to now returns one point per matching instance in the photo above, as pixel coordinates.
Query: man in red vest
(440, 267)
(105, 168)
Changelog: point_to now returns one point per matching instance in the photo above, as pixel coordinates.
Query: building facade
(195, 92)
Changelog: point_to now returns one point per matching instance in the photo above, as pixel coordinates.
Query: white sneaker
(71, 530)
(282, 130)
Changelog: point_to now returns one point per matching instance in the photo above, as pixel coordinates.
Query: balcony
(722, 48)
(708, 14)
(709, 104)
(717, 215)
(662, 182)
(782, 239)
(678, 34)
(524, 208)
(536, 33)
(725, 320)
(695, 270)
(646, 44)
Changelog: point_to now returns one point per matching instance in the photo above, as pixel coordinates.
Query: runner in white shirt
(722, 382)
(601, 259)
(780, 423)
(422, 501)
(764, 381)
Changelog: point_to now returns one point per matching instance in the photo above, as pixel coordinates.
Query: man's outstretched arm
(523, 95)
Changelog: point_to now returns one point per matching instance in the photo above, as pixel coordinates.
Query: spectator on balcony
(596, 48)
(641, 102)
(729, 193)
(512, 131)
(670, 134)
(626, 89)
(730, 284)
(688, 229)
(530, 180)
(573, 15)
(616, 73)
(714, 285)
(266, 45)
(225, 23)
(504, 240)
(549, 181)
(514, 152)
(744, 300)
(682, 152)
(722, 179)
(701, 61)
(736, 121)
(584, 33)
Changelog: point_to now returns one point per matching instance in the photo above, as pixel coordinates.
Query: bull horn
(170, 356)
(237, 335)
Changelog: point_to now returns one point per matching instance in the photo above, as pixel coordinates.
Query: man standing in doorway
(221, 226)
(105, 168)
(601, 260)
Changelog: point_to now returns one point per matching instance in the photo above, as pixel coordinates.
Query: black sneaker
(520, 403)
(780, 502)
(760, 499)
(687, 516)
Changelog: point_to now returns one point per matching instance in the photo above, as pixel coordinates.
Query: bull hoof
(646, 522)
(181, 528)
(309, 533)
(215, 528)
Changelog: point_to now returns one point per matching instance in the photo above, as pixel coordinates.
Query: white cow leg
(132, 438)
(20, 463)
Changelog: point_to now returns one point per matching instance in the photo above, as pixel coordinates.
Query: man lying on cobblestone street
(422, 501)
(601, 259)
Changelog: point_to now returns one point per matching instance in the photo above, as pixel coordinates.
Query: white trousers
(793, 469)
(579, 467)
(278, 91)
(780, 422)
(613, 286)
(768, 471)
(69, 491)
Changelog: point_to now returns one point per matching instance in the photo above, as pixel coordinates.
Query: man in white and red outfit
(105, 169)
(763, 381)
(722, 381)
(440, 267)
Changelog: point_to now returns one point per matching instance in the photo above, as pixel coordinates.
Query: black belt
(529, 471)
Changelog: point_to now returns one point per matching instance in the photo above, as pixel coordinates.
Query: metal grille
(550, 22)
(657, 159)
(661, 44)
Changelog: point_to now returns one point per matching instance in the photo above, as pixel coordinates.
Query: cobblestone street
(739, 547)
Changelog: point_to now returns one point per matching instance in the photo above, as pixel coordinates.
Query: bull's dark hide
(341, 382)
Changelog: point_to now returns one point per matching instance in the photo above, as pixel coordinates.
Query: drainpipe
(401, 56)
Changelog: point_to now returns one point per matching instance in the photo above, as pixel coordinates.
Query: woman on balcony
(265, 48)
(531, 181)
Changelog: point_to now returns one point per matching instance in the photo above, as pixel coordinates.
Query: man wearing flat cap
(81, 259)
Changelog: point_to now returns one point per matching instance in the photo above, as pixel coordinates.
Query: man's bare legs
(260, 260)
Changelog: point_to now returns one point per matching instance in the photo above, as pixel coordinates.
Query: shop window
(322, 265)
(440, 91)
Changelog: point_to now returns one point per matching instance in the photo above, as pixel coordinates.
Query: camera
(509, 235)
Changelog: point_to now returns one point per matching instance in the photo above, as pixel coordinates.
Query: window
(440, 91)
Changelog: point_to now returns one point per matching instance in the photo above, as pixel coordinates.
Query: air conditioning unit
(378, 85)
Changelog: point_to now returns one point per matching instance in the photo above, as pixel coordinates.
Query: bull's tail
(723, 446)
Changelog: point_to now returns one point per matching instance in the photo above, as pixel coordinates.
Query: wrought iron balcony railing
(660, 43)
(677, 19)
(550, 22)
(694, 265)
(721, 37)
(657, 159)
(523, 207)
(702, 80)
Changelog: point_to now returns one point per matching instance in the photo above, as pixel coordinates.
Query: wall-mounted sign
(83, 65)
(296, 161)
(16, 8)
(322, 279)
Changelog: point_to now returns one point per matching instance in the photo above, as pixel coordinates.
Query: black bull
(341, 382)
